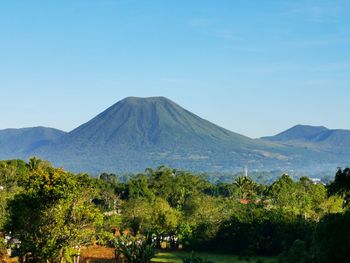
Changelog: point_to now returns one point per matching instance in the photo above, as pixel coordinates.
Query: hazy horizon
(146, 97)
(256, 68)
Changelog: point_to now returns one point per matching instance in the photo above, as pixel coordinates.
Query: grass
(176, 257)
(97, 254)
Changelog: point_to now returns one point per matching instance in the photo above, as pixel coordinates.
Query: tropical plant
(246, 186)
(135, 249)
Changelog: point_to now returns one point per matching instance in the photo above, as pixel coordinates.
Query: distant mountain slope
(18, 143)
(136, 133)
(298, 133)
(139, 122)
(317, 137)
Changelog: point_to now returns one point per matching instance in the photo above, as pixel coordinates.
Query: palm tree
(246, 186)
(33, 163)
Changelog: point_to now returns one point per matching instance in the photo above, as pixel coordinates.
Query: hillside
(141, 122)
(298, 133)
(19, 143)
(136, 133)
(315, 137)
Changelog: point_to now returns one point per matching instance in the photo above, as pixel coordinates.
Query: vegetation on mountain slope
(136, 133)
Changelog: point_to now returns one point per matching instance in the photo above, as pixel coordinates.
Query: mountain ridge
(153, 131)
(319, 137)
(298, 131)
(136, 133)
(18, 142)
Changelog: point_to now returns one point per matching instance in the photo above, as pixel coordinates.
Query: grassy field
(176, 257)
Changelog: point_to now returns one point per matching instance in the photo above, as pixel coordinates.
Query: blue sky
(254, 67)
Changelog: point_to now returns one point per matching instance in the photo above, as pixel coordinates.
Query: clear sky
(254, 67)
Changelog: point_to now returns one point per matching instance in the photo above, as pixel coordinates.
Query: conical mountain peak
(136, 133)
(147, 121)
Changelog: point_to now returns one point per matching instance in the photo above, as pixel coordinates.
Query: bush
(192, 258)
(298, 252)
(2, 248)
(247, 255)
(135, 250)
(331, 240)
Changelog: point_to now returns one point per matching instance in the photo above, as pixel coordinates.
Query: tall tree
(246, 186)
(10, 172)
(341, 185)
(53, 215)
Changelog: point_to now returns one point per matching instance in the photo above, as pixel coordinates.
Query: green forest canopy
(53, 212)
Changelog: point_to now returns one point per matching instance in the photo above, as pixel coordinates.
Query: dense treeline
(53, 213)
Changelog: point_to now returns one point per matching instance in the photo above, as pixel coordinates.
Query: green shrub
(192, 258)
(247, 255)
(135, 249)
(2, 247)
(298, 252)
(331, 239)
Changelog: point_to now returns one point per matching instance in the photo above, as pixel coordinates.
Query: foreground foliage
(179, 256)
(192, 258)
(52, 213)
(53, 216)
(135, 249)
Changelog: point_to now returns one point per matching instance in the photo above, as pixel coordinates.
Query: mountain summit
(156, 121)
